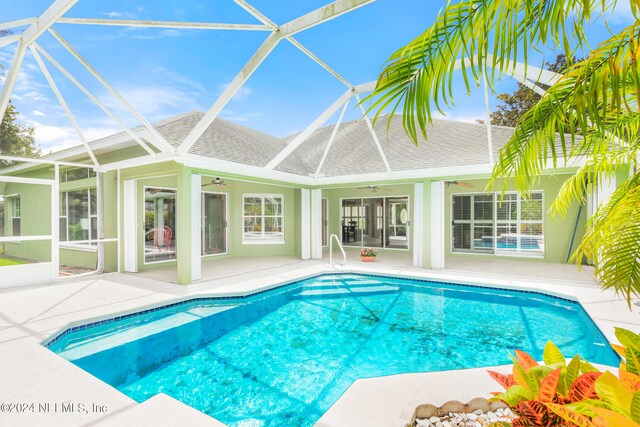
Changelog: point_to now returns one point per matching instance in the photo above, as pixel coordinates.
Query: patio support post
(196, 232)
(184, 247)
(305, 221)
(437, 224)
(316, 223)
(418, 224)
(605, 188)
(55, 224)
(426, 224)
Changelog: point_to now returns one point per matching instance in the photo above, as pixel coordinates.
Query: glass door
(373, 227)
(353, 221)
(159, 224)
(397, 223)
(214, 224)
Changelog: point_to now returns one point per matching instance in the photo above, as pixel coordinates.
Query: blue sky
(167, 72)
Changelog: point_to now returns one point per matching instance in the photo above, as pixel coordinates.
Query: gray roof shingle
(353, 151)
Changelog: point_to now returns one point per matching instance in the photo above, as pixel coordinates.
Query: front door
(214, 224)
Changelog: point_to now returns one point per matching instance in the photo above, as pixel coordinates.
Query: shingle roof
(229, 141)
(449, 143)
(353, 151)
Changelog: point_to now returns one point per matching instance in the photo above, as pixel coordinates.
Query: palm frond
(613, 241)
(421, 73)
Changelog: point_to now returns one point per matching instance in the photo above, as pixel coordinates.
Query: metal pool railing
(344, 255)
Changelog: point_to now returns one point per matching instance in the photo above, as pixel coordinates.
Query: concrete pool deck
(32, 374)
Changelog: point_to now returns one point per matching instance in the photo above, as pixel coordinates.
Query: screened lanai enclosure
(190, 192)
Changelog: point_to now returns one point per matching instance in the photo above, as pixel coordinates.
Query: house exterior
(234, 194)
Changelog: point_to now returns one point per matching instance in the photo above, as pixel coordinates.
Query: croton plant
(557, 393)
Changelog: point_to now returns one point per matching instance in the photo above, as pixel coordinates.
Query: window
(13, 203)
(263, 218)
(79, 216)
(482, 223)
(76, 174)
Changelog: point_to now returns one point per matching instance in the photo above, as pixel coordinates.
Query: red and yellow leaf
(630, 381)
(519, 375)
(534, 411)
(549, 386)
(612, 419)
(620, 349)
(584, 387)
(505, 381)
(525, 360)
(570, 416)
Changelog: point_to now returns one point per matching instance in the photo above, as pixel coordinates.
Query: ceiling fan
(218, 182)
(447, 184)
(374, 188)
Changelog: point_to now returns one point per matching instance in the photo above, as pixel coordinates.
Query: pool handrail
(344, 255)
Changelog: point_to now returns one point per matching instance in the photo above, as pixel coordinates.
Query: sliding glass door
(214, 224)
(376, 222)
(397, 221)
(482, 223)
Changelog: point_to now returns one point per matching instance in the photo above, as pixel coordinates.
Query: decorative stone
(478, 412)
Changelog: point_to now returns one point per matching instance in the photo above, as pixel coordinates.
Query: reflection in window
(516, 228)
(263, 218)
(159, 224)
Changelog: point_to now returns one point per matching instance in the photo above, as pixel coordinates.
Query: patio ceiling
(155, 145)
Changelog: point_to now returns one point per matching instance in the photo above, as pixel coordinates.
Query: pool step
(345, 291)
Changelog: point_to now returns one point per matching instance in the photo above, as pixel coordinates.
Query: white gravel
(473, 419)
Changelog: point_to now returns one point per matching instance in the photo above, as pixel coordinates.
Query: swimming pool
(283, 357)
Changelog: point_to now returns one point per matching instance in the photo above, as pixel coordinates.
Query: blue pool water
(283, 357)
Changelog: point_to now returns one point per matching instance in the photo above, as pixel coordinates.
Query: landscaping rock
(477, 412)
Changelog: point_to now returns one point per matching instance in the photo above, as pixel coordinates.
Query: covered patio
(222, 271)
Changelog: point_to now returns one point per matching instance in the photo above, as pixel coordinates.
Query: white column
(130, 213)
(305, 221)
(606, 187)
(418, 224)
(437, 225)
(55, 224)
(316, 224)
(196, 232)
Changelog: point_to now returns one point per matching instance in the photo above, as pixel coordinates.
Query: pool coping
(605, 309)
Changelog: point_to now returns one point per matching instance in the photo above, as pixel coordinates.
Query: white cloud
(51, 138)
(38, 113)
(621, 14)
(155, 101)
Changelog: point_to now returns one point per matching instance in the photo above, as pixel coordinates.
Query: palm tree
(592, 109)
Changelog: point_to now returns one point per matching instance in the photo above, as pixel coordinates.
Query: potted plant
(368, 254)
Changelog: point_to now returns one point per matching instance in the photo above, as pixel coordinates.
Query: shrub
(574, 394)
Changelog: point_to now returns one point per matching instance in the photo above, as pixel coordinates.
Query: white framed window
(482, 223)
(79, 217)
(263, 218)
(15, 214)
